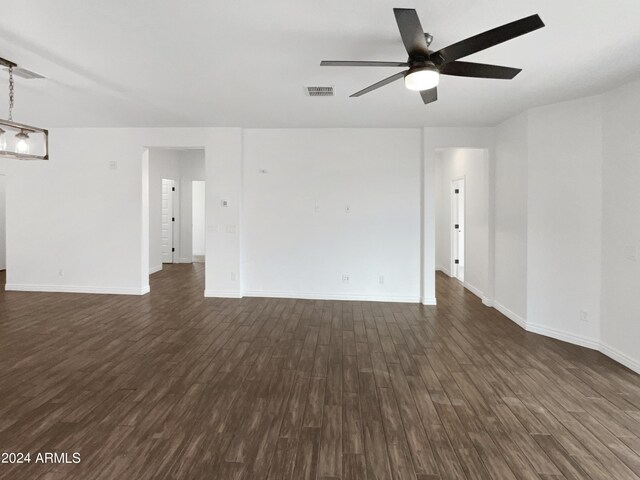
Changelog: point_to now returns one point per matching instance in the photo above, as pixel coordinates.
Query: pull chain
(11, 94)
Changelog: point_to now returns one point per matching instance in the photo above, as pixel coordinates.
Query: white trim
(429, 301)
(332, 296)
(571, 338)
(222, 294)
(443, 269)
(478, 293)
(473, 289)
(510, 315)
(16, 287)
(562, 335)
(620, 357)
(155, 269)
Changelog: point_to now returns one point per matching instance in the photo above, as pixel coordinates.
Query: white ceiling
(245, 62)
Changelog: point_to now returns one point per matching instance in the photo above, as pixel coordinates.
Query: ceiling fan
(426, 66)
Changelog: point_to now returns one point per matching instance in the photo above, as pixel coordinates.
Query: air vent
(319, 91)
(26, 74)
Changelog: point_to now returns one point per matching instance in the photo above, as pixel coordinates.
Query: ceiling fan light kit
(17, 140)
(422, 78)
(425, 66)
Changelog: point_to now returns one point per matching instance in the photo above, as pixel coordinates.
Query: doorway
(171, 177)
(457, 228)
(168, 220)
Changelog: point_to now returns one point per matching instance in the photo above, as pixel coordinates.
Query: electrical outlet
(113, 165)
(584, 316)
(381, 279)
(233, 276)
(61, 273)
(345, 278)
(347, 209)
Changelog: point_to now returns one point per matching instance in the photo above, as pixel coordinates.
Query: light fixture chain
(11, 94)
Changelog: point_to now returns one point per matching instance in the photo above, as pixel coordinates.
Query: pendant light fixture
(17, 140)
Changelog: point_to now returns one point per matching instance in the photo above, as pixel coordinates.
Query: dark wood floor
(172, 385)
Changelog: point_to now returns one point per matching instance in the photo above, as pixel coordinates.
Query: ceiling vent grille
(319, 91)
(26, 74)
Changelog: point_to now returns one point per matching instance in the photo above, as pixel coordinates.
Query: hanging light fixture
(17, 140)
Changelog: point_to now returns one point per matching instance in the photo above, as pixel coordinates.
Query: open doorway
(462, 216)
(457, 228)
(173, 173)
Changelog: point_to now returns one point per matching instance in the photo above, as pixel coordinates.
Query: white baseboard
(562, 335)
(443, 269)
(429, 301)
(510, 315)
(473, 289)
(197, 258)
(332, 296)
(222, 294)
(478, 293)
(620, 357)
(155, 269)
(15, 287)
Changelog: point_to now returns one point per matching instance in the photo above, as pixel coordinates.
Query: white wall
(580, 163)
(620, 325)
(3, 246)
(198, 219)
(298, 238)
(510, 209)
(559, 167)
(472, 165)
(76, 215)
(183, 166)
(564, 208)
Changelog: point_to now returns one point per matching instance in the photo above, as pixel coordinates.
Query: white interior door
(168, 187)
(457, 221)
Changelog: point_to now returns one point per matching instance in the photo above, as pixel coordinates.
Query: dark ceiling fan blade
(479, 70)
(381, 83)
(411, 32)
(490, 38)
(430, 95)
(355, 63)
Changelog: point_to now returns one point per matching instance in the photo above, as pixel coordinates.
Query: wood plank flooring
(173, 385)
